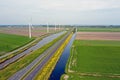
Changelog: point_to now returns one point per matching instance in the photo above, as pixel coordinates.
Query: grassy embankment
(9, 42)
(94, 60)
(49, 66)
(87, 29)
(24, 61)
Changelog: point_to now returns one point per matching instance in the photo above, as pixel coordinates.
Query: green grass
(23, 62)
(9, 42)
(86, 29)
(95, 57)
(23, 49)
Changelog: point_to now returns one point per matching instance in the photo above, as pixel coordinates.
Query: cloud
(42, 11)
(78, 4)
(61, 4)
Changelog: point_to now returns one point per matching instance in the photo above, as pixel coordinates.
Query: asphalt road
(39, 67)
(37, 64)
(25, 70)
(35, 47)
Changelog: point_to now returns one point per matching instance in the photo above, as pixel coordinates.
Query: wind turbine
(59, 26)
(30, 34)
(76, 29)
(47, 28)
(55, 26)
(30, 26)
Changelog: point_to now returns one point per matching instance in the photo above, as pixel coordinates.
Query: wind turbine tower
(30, 34)
(47, 28)
(55, 26)
(59, 26)
(76, 29)
(30, 26)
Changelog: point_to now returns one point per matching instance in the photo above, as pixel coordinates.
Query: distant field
(98, 36)
(86, 29)
(10, 42)
(36, 31)
(94, 60)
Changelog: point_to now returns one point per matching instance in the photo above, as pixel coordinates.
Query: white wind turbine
(30, 31)
(59, 26)
(47, 28)
(55, 26)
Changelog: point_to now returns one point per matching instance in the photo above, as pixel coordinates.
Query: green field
(9, 42)
(87, 29)
(94, 58)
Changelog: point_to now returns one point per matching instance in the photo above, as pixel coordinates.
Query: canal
(59, 69)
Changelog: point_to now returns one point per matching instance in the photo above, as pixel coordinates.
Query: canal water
(61, 64)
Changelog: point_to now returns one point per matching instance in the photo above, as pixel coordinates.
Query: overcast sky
(103, 12)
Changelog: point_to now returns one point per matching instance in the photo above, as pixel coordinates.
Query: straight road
(39, 67)
(40, 61)
(35, 47)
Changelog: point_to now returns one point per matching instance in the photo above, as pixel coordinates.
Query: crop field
(98, 36)
(87, 29)
(36, 31)
(10, 42)
(94, 60)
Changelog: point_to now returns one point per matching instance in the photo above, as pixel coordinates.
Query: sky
(82, 12)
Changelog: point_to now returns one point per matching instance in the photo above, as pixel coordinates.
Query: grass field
(94, 58)
(10, 42)
(86, 29)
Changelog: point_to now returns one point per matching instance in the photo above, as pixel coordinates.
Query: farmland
(98, 36)
(98, 29)
(36, 31)
(93, 59)
(10, 42)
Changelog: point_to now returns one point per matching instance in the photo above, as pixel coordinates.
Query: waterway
(59, 69)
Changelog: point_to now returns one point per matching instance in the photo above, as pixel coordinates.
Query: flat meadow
(9, 42)
(96, 57)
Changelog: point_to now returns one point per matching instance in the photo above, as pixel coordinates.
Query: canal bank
(59, 69)
(49, 66)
